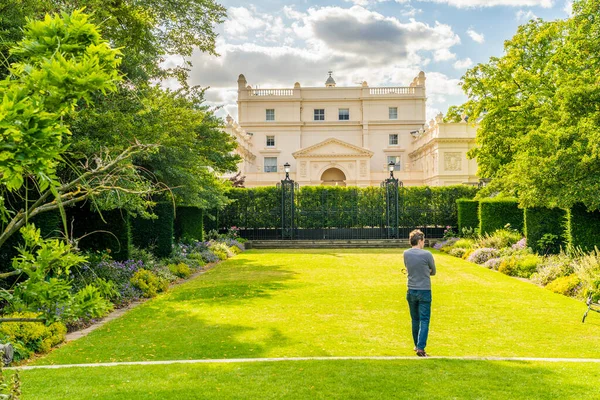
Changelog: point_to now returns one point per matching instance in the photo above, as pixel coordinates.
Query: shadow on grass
(399, 379)
(236, 281)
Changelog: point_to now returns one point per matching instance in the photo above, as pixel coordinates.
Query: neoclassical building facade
(348, 136)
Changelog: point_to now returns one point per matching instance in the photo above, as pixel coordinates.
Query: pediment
(333, 148)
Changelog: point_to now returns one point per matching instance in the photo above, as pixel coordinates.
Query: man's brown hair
(415, 236)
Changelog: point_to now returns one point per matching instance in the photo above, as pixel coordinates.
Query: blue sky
(384, 42)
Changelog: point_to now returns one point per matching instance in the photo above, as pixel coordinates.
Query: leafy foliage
(31, 337)
(149, 283)
(538, 114)
(583, 228)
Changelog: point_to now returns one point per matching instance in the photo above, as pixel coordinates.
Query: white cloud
(358, 44)
(478, 37)
(568, 8)
(525, 16)
(461, 64)
(443, 55)
(241, 20)
(493, 3)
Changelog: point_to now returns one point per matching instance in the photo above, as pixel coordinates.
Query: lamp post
(392, 206)
(391, 167)
(288, 209)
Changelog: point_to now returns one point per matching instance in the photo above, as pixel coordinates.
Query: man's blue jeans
(419, 303)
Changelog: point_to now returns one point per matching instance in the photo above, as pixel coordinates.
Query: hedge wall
(102, 230)
(540, 221)
(189, 223)
(583, 228)
(468, 214)
(327, 206)
(156, 234)
(495, 213)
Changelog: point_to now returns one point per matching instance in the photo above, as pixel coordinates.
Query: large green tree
(538, 109)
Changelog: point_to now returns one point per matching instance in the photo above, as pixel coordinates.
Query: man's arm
(431, 265)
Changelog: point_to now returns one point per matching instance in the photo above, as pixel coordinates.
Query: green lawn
(405, 379)
(293, 303)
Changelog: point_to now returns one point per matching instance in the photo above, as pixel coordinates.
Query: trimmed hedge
(540, 221)
(495, 213)
(327, 206)
(105, 230)
(189, 223)
(155, 234)
(583, 228)
(468, 214)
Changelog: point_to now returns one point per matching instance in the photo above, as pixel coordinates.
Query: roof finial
(330, 82)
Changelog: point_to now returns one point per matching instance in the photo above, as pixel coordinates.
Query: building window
(393, 112)
(396, 161)
(270, 114)
(394, 139)
(270, 141)
(270, 164)
(344, 114)
(319, 114)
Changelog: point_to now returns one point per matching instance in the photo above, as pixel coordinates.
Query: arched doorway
(333, 177)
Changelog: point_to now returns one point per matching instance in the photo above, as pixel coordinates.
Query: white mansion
(348, 136)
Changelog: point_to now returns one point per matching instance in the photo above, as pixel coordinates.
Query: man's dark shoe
(421, 353)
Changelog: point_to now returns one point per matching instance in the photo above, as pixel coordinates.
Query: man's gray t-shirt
(420, 266)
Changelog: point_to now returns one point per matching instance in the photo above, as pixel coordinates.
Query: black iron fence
(315, 213)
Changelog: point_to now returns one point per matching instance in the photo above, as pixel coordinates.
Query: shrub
(209, 257)
(464, 244)
(180, 270)
(583, 228)
(493, 263)
(522, 266)
(545, 229)
(458, 252)
(189, 223)
(495, 213)
(587, 268)
(221, 250)
(468, 252)
(236, 243)
(445, 243)
(149, 283)
(468, 214)
(499, 239)
(566, 285)
(155, 234)
(551, 268)
(480, 256)
(31, 337)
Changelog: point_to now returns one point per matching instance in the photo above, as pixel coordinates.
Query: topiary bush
(545, 229)
(31, 337)
(583, 228)
(565, 285)
(155, 234)
(468, 214)
(102, 231)
(495, 213)
(149, 283)
(189, 224)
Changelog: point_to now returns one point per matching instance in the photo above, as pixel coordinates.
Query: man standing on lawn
(420, 266)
